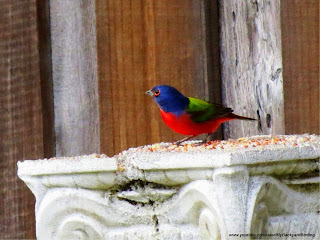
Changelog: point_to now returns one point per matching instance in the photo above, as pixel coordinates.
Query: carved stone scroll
(209, 194)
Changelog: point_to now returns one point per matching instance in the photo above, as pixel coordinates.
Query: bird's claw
(183, 140)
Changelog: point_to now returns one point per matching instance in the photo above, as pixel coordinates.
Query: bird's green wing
(202, 111)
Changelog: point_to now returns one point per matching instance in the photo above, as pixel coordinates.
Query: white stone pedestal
(243, 191)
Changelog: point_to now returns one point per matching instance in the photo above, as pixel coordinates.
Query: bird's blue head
(169, 99)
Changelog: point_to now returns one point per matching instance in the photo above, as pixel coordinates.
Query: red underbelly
(185, 126)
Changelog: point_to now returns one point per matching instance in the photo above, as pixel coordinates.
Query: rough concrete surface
(264, 186)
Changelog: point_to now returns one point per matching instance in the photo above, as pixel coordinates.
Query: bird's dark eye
(156, 92)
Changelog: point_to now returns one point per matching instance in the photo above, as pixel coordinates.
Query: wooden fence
(74, 73)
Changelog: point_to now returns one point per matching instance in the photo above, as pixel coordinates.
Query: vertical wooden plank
(75, 83)
(20, 114)
(180, 52)
(251, 65)
(142, 44)
(300, 48)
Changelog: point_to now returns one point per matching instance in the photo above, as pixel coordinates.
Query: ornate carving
(247, 193)
(234, 203)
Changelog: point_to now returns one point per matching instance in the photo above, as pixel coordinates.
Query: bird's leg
(206, 139)
(183, 140)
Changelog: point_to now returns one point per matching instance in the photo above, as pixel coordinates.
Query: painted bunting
(190, 116)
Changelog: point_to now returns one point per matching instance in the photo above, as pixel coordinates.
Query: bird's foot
(206, 139)
(183, 140)
(189, 137)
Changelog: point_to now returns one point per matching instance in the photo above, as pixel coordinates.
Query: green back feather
(202, 111)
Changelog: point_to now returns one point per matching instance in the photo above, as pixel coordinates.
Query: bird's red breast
(184, 125)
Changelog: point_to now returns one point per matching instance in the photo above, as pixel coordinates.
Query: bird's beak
(149, 92)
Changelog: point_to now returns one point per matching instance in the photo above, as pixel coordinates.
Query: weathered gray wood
(252, 81)
(75, 84)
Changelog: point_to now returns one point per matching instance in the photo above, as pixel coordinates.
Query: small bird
(190, 116)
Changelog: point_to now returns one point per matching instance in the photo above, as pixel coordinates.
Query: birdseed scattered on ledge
(255, 142)
(91, 156)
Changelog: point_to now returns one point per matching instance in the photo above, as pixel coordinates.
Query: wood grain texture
(142, 44)
(251, 65)
(46, 78)
(213, 56)
(20, 114)
(75, 83)
(300, 48)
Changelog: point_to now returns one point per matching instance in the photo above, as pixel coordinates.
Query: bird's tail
(235, 116)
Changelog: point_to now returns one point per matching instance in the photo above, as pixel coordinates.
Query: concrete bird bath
(258, 187)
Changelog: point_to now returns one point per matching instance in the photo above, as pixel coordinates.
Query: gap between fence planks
(45, 65)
